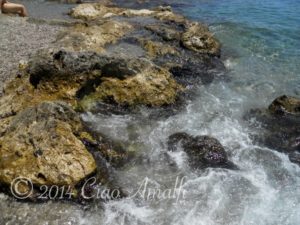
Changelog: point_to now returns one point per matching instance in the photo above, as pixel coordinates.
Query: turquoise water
(264, 35)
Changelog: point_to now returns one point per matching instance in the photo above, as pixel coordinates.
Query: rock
(202, 151)
(170, 17)
(111, 151)
(167, 33)
(198, 38)
(295, 158)
(96, 77)
(153, 86)
(285, 105)
(141, 12)
(94, 11)
(279, 125)
(59, 66)
(40, 144)
(201, 69)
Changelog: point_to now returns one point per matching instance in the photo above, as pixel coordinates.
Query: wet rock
(112, 151)
(295, 158)
(279, 125)
(202, 151)
(285, 105)
(198, 38)
(41, 145)
(190, 70)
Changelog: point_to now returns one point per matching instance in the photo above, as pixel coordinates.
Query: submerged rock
(41, 145)
(202, 151)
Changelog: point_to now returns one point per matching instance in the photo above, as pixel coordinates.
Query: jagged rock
(202, 151)
(40, 144)
(67, 67)
(198, 38)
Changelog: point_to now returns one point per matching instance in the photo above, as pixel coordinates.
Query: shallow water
(261, 45)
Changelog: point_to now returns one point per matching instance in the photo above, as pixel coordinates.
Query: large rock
(41, 144)
(93, 77)
(202, 151)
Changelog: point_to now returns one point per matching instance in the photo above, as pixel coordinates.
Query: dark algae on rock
(202, 151)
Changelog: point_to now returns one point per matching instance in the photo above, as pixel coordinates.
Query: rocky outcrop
(202, 151)
(43, 139)
(42, 144)
(280, 126)
(194, 36)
